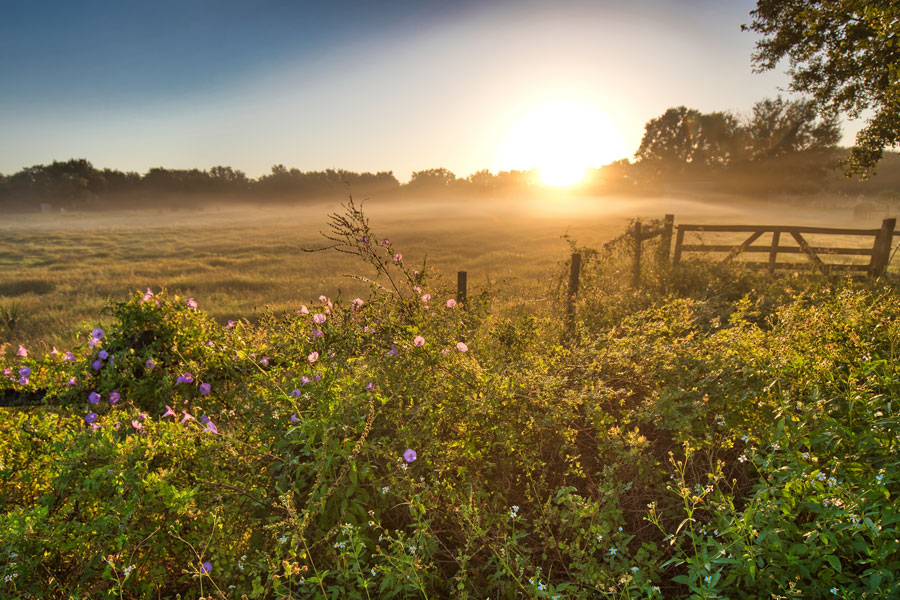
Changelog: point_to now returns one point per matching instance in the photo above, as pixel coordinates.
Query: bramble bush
(713, 434)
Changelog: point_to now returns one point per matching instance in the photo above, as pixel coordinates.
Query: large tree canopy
(846, 55)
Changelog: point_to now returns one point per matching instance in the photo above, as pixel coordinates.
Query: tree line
(783, 145)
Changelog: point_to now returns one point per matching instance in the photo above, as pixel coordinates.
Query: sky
(397, 86)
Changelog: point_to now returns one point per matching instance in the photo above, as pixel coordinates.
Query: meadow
(714, 433)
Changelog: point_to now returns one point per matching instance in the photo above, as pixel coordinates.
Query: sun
(561, 140)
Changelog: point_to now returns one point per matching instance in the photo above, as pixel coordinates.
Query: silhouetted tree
(779, 127)
(682, 139)
(845, 55)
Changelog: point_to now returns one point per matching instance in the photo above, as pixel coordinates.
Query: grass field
(57, 271)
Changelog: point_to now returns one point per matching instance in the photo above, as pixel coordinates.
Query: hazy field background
(57, 271)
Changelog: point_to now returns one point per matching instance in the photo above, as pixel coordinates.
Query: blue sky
(399, 86)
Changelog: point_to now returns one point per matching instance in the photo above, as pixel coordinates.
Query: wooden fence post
(773, 251)
(574, 273)
(881, 251)
(679, 242)
(665, 242)
(636, 260)
(461, 287)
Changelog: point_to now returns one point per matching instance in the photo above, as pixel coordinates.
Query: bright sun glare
(561, 140)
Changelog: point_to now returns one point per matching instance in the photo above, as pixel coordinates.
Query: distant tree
(779, 127)
(682, 138)
(843, 53)
(433, 178)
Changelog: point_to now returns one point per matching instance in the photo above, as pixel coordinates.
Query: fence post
(665, 242)
(773, 251)
(636, 260)
(881, 251)
(461, 287)
(679, 241)
(574, 273)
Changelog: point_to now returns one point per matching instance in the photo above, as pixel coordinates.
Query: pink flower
(357, 302)
(94, 342)
(22, 351)
(313, 356)
(419, 341)
(230, 324)
(211, 427)
(398, 256)
(461, 346)
(417, 289)
(169, 412)
(370, 386)
(304, 380)
(147, 296)
(192, 304)
(451, 303)
(136, 424)
(70, 382)
(303, 310)
(409, 455)
(319, 318)
(187, 416)
(54, 352)
(426, 297)
(385, 242)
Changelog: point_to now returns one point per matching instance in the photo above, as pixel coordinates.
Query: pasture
(57, 271)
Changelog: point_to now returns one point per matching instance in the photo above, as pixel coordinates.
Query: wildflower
(264, 361)
(370, 386)
(169, 412)
(304, 380)
(295, 394)
(93, 342)
(54, 352)
(24, 372)
(97, 364)
(69, 357)
(461, 346)
(205, 388)
(149, 364)
(136, 424)
(7, 372)
(385, 490)
(393, 351)
(451, 303)
(834, 591)
(613, 551)
(90, 417)
(634, 569)
(419, 341)
(398, 256)
(229, 325)
(191, 303)
(187, 416)
(426, 297)
(148, 295)
(22, 351)
(294, 418)
(114, 397)
(206, 567)
(707, 579)
(103, 354)
(324, 298)
(879, 478)
(211, 427)
(185, 378)
(93, 397)
(317, 333)
(303, 310)
(365, 239)
(313, 356)
(541, 587)
(513, 511)
(357, 302)
(319, 318)
(409, 455)
(70, 382)
(385, 242)
(742, 458)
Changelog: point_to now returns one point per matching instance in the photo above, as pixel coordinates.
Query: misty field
(57, 271)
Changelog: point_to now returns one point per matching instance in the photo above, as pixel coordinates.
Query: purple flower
(114, 397)
(393, 351)
(385, 242)
(365, 239)
(211, 427)
(304, 380)
(97, 334)
(169, 412)
(22, 351)
(23, 381)
(90, 417)
(187, 416)
(205, 388)
(319, 318)
(409, 455)
(318, 377)
(398, 256)
(103, 354)
(230, 325)
(370, 386)
(149, 364)
(24, 372)
(295, 394)
(264, 361)
(419, 341)
(192, 304)
(206, 567)
(93, 397)
(97, 364)
(186, 378)
(313, 356)
(70, 382)
(94, 342)
(204, 419)
(316, 333)
(69, 357)
(294, 418)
